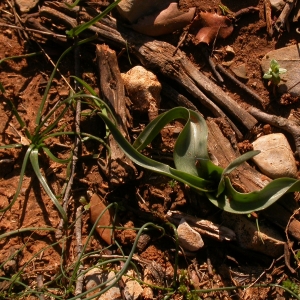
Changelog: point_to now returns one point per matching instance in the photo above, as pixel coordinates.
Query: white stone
(189, 239)
(143, 89)
(132, 290)
(26, 5)
(276, 158)
(95, 277)
(131, 10)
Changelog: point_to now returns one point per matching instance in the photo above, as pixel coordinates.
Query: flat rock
(288, 58)
(189, 239)
(132, 10)
(26, 5)
(276, 158)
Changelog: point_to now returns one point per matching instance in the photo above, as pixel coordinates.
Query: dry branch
(158, 55)
(121, 168)
(279, 122)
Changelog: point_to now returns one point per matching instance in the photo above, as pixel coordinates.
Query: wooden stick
(279, 122)
(160, 56)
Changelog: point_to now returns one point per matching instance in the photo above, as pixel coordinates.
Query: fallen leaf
(96, 208)
(213, 26)
(165, 21)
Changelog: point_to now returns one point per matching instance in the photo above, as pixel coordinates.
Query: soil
(39, 251)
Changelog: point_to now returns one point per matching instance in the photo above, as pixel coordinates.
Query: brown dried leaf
(213, 26)
(165, 21)
(96, 208)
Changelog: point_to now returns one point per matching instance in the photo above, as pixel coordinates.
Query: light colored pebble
(276, 158)
(189, 239)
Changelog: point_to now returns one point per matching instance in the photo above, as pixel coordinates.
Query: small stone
(132, 10)
(26, 5)
(143, 89)
(240, 71)
(276, 158)
(132, 290)
(277, 5)
(189, 239)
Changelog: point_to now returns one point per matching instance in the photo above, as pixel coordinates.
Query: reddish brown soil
(148, 199)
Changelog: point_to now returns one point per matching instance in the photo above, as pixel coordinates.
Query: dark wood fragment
(121, 168)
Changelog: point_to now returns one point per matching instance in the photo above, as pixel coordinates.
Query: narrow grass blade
(35, 165)
(54, 158)
(22, 172)
(196, 182)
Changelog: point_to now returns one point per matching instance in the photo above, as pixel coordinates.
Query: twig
(241, 85)
(39, 281)
(245, 10)
(279, 122)
(268, 15)
(78, 225)
(283, 17)
(206, 54)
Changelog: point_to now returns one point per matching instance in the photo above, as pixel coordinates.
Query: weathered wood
(121, 168)
(159, 56)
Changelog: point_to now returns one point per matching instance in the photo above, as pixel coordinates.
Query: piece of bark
(268, 15)
(121, 168)
(282, 20)
(158, 55)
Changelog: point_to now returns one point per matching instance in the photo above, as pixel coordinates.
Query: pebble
(276, 158)
(143, 89)
(132, 290)
(189, 239)
(26, 5)
(287, 58)
(132, 10)
(95, 277)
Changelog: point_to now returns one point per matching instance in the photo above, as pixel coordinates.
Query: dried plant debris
(212, 26)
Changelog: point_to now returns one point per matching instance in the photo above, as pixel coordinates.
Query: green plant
(273, 75)
(194, 168)
(292, 286)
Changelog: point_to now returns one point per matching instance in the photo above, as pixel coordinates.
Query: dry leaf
(165, 21)
(213, 26)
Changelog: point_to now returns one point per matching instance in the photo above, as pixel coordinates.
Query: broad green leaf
(244, 203)
(35, 165)
(238, 161)
(196, 182)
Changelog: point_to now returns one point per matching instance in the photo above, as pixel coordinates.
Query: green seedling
(273, 75)
(194, 167)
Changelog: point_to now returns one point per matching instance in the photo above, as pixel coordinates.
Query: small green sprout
(225, 10)
(273, 75)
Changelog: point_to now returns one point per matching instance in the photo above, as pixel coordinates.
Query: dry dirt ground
(36, 259)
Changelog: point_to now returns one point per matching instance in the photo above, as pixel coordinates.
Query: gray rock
(189, 239)
(132, 290)
(276, 158)
(26, 5)
(288, 58)
(97, 276)
(132, 10)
